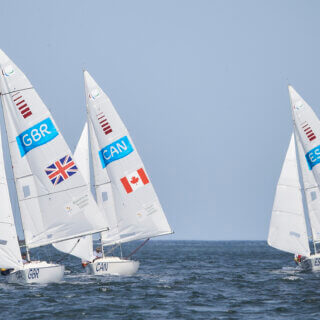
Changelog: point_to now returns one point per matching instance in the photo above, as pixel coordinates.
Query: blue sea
(176, 280)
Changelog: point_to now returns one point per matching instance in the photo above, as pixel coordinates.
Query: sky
(201, 86)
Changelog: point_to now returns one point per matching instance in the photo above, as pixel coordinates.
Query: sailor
(97, 253)
(24, 258)
(298, 258)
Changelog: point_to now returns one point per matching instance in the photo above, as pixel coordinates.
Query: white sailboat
(288, 230)
(54, 199)
(123, 190)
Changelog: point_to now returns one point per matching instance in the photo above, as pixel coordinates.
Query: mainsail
(54, 199)
(288, 231)
(138, 211)
(10, 256)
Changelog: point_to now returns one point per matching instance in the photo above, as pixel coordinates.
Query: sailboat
(54, 199)
(288, 226)
(124, 191)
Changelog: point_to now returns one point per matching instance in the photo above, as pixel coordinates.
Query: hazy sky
(201, 86)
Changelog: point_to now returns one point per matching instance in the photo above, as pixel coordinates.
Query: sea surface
(176, 280)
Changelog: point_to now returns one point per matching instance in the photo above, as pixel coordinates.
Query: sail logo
(8, 71)
(134, 180)
(298, 105)
(94, 94)
(61, 170)
(36, 136)
(313, 157)
(115, 151)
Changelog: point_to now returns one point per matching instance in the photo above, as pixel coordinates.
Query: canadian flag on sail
(134, 180)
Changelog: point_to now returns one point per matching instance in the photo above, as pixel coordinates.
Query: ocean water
(176, 280)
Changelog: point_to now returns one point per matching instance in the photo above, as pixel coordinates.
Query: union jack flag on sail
(61, 170)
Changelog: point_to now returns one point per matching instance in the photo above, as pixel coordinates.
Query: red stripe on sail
(26, 115)
(17, 98)
(107, 132)
(22, 107)
(24, 111)
(22, 101)
(312, 138)
(126, 185)
(143, 176)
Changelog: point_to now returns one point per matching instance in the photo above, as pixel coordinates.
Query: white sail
(10, 256)
(80, 247)
(308, 129)
(138, 210)
(54, 199)
(312, 193)
(288, 231)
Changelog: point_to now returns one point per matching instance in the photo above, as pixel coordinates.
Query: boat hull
(37, 272)
(311, 263)
(113, 266)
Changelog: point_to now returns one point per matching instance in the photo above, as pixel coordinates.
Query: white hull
(113, 266)
(37, 272)
(311, 263)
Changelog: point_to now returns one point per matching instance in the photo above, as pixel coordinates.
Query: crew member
(24, 258)
(97, 253)
(298, 258)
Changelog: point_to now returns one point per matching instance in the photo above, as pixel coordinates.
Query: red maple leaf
(134, 180)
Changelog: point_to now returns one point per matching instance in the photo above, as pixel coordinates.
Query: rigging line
(67, 253)
(138, 248)
(113, 248)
